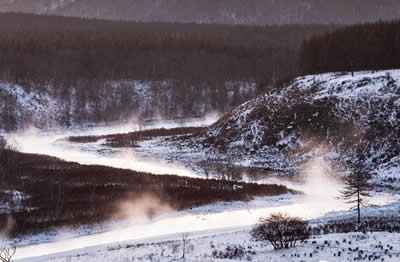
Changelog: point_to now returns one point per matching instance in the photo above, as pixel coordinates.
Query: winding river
(320, 198)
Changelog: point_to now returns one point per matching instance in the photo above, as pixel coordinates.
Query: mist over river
(321, 194)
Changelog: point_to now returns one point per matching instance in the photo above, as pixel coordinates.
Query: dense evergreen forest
(89, 71)
(103, 71)
(44, 47)
(370, 46)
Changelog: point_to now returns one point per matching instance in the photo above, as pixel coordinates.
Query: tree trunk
(358, 210)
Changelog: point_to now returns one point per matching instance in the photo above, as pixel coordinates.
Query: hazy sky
(221, 11)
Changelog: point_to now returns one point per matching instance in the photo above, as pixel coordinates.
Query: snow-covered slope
(336, 115)
(52, 106)
(20, 107)
(23, 106)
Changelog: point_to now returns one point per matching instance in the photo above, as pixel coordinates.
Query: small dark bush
(231, 252)
(281, 230)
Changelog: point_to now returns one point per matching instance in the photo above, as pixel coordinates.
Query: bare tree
(281, 230)
(141, 123)
(229, 172)
(356, 189)
(92, 197)
(184, 242)
(60, 199)
(2, 143)
(8, 163)
(6, 253)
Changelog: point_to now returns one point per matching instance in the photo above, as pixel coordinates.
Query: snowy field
(203, 225)
(214, 231)
(130, 240)
(221, 247)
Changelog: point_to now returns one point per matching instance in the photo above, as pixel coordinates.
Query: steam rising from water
(4, 233)
(147, 205)
(36, 142)
(321, 191)
(320, 197)
(322, 185)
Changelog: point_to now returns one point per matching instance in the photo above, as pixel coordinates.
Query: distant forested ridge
(371, 46)
(221, 11)
(90, 71)
(101, 70)
(44, 47)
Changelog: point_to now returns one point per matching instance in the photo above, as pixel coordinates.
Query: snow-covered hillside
(47, 109)
(334, 115)
(111, 101)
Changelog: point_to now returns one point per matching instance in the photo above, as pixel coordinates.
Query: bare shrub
(6, 253)
(185, 239)
(281, 230)
(231, 252)
(3, 143)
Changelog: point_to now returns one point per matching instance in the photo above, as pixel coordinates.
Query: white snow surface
(200, 248)
(272, 131)
(53, 143)
(214, 227)
(49, 108)
(208, 222)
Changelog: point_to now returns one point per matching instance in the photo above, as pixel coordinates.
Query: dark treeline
(44, 47)
(190, 69)
(360, 47)
(68, 194)
(130, 139)
(370, 224)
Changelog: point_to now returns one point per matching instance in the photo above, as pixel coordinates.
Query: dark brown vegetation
(130, 139)
(359, 47)
(6, 253)
(212, 168)
(45, 48)
(63, 193)
(281, 230)
(387, 223)
(191, 66)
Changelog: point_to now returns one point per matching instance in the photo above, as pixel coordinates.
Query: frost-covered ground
(215, 227)
(48, 106)
(47, 110)
(207, 222)
(380, 246)
(208, 245)
(332, 115)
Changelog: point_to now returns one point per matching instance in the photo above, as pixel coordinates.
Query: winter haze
(197, 130)
(219, 12)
